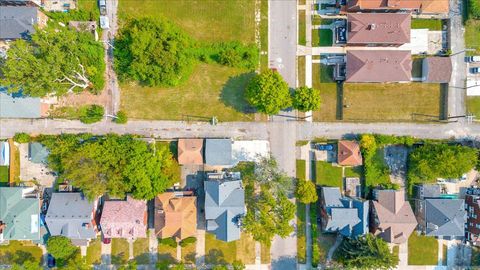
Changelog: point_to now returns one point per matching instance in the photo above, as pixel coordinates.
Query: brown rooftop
(423, 6)
(437, 69)
(379, 28)
(190, 151)
(175, 215)
(378, 66)
(349, 153)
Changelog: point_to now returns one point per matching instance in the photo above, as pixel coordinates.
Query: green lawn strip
(301, 70)
(317, 20)
(392, 101)
(328, 175)
(472, 36)
(120, 253)
(140, 251)
(445, 254)
(396, 251)
(220, 252)
(20, 252)
(301, 235)
(302, 28)
(264, 35)
(328, 93)
(301, 169)
(189, 253)
(431, 24)
(322, 37)
(473, 106)
(167, 253)
(314, 233)
(212, 90)
(325, 242)
(4, 172)
(94, 252)
(422, 250)
(265, 254)
(354, 171)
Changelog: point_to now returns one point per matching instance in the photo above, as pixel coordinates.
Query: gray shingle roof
(37, 153)
(224, 203)
(218, 152)
(70, 215)
(445, 217)
(17, 21)
(18, 107)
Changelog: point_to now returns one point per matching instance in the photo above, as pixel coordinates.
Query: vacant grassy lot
(434, 25)
(140, 251)
(322, 37)
(328, 91)
(302, 28)
(94, 252)
(403, 101)
(4, 175)
(220, 252)
(473, 106)
(472, 36)
(120, 253)
(301, 169)
(328, 175)
(212, 90)
(301, 237)
(20, 252)
(422, 250)
(206, 20)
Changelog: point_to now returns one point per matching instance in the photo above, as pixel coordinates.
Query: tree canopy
(432, 161)
(366, 252)
(268, 92)
(55, 61)
(306, 99)
(61, 248)
(92, 114)
(306, 191)
(112, 164)
(154, 52)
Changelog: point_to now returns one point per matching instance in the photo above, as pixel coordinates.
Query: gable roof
(37, 153)
(18, 106)
(348, 153)
(424, 6)
(17, 21)
(124, 218)
(224, 204)
(396, 220)
(19, 214)
(218, 152)
(190, 151)
(378, 66)
(379, 28)
(61, 220)
(175, 215)
(439, 69)
(445, 217)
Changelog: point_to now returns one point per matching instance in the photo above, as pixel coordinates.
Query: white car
(471, 59)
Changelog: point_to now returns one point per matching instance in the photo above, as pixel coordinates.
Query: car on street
(470, 59)
(324, 147)
(475, 70)
(50, 261)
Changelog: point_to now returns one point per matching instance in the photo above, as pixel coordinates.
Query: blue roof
(18, 106)
(218, 152)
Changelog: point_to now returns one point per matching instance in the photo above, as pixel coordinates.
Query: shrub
(235, 54)
(22, 137)
(121, 118)
(306, 191)
(306, 99)
(474, 8)
(187, 241)
(92, 114)
(168, 242)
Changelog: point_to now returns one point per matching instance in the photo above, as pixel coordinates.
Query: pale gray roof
(17, 106)
(218, 152)
(17, 21)
(37, 153)
(445, 217)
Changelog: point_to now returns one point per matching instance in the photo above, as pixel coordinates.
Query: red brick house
(473, 219)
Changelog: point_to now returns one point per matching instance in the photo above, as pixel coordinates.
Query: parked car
(107, 241)
(50, 261)
(475, 70)
(324, 147)
(470, 59)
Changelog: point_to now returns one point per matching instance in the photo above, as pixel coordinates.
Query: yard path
(153, 246)
(106, 254)
(403, 255)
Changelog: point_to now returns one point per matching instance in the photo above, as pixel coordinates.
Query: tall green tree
(55, 61)
(61, 248)
(306, 99)
(366, 252)
(268, 92)
(153, 52)
(306, 191)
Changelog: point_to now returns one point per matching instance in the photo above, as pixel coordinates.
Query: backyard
(422, 250)
(220, 252)
(328, 175)
(20, 252)
(406, 101)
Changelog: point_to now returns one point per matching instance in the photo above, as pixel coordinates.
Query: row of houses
(48, 5)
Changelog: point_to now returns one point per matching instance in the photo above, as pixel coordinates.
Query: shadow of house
(233, 93)
(284, 262)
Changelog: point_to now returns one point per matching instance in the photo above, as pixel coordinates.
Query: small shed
(190, 151)
(37, 153)
(218, 152)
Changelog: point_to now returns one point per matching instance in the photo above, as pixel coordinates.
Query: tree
(267, 174)
(306, 99)
(153, 52)
(22, 137)
(55, 61)
(306, 191)
(61, 248)
(474, 8)
(92, 114)
(238, 265)
(366, 252)
(268, 92)
(235, 54)
(121, 117)
(27, 265)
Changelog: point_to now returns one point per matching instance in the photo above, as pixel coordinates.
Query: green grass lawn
(322, 37)
(317, 20)
(472, 36)
(393, 101)
(140, 251)
(315, 230)
(301, 237)
(212, 90)
(167, 253)
(220, 252)
(301, 70)
(301, 169)
(322, 80)
(422, 250)
(120, 253)
(354, 171)
(328, 175)
(473, 106)
(4, 171)
(189, 253)
(396, 251)
(380, 173)
(444, 254)
(302, 28)
(206, 20)
(94, 252)
(431, 24)
(264, 34)
(20, 252)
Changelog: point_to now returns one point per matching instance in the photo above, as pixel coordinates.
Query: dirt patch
(396, 160)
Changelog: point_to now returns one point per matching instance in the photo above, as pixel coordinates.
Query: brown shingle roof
(396, 220)
(439, 69)
(175, 216)
(349, 153)
(379, 28)
(424, 6)
(378, 66)
(190, 151)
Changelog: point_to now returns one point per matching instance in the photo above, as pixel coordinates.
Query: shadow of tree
(119, 258)
(233, 93)
(21, 256)
(190, 257)
(143, 258)
(284, 262)
(166, 257)
(215, 256)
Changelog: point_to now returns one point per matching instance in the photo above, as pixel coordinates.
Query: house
(71, 215)
(19, 214)
(224, 205)
(19, 106)
(37, 153)
(59, 5)
(190, 151)
(442, 217)
(472, 203)
(4, 154)
(378, 29)
(218, 152)
(124, 219)
(30, 3)
(348, 153)
(344, 215)
(378, 66)
(391, 217)
(176, 215)
(417, 6)
(436, 69)
(18, 21)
